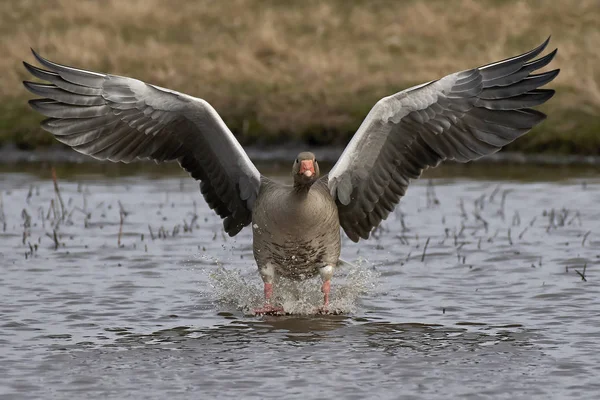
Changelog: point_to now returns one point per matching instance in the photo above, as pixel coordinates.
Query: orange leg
(268, 308)
(326, 273)
(267, 274)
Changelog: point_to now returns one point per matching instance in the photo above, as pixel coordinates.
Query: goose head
(305, 170)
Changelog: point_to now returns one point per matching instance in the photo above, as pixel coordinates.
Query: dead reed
(311, 69)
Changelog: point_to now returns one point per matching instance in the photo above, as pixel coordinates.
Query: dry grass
(310, 69)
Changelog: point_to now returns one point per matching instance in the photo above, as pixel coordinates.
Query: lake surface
(474, 288)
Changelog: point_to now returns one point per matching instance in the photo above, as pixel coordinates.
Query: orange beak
(307, 167)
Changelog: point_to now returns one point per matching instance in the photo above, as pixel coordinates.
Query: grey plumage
(123, 119)
(297, 231)
(461, 117)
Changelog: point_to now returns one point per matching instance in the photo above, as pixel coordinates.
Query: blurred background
(309, 71)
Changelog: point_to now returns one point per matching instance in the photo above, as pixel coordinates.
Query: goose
(296, 228)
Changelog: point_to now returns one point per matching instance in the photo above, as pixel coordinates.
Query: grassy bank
(310, 70)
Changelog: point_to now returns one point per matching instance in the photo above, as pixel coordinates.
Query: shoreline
(11, 154)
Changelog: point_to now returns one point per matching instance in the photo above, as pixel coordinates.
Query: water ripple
(470, 289)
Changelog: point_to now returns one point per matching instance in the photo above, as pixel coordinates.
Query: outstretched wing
(116, 118)
(461, 117)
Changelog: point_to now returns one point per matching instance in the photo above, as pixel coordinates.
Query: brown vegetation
(306, 70)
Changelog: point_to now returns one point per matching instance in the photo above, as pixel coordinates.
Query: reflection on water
(291, 328)
(381, 335)
(473, 288)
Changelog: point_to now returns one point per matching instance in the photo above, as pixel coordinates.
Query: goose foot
(268, 308)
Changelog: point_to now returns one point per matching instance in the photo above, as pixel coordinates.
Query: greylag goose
(296, 228)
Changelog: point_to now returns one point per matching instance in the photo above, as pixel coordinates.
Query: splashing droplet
(242, 290)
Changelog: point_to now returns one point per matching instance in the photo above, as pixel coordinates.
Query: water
(492, 308)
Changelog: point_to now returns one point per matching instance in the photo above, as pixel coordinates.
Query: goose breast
(295, 232)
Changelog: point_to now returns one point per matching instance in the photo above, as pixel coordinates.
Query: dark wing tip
(542, 46)
(536, 51)
(29, 86)
(536, 115)
(542, 61)
(352, 235)
(73, 75)
(37, 56)
(38, 105)
(39, 72)
(549, 76)
(33, 103)
(516, 60)
(547, 40)
(29, 68)
(41, 59)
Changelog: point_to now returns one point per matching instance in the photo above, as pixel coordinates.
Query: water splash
(244, 290)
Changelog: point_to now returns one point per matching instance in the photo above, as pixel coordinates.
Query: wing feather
(121, 119)
(461, 117)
